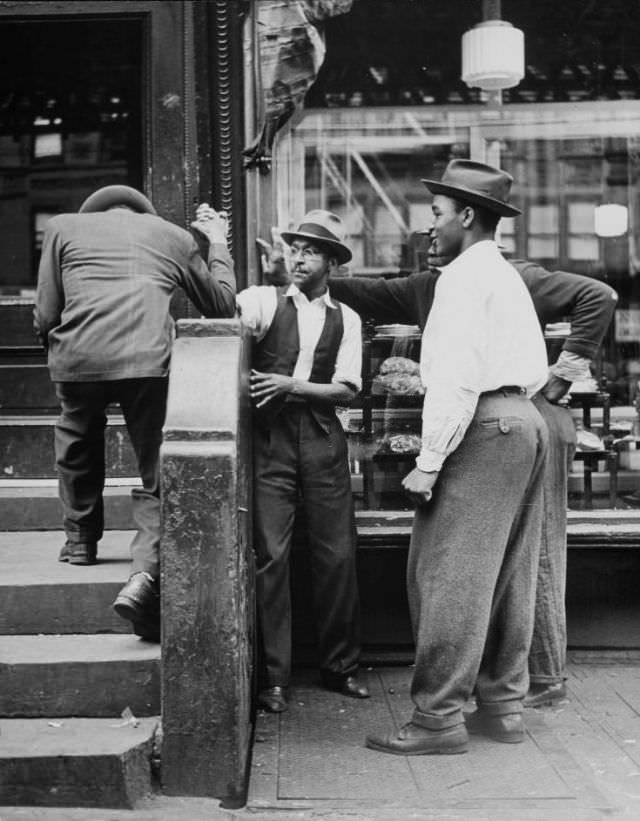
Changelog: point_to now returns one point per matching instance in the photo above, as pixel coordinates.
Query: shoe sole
(507, 738)
(85, 560)
(382, 748)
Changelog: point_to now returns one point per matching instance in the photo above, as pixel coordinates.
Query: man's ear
(468, 216)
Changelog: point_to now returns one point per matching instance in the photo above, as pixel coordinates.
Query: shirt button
(504, 426)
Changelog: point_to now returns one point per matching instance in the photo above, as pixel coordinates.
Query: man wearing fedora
(589, 305)
(477, 483)
(307, 359)
(105, 282)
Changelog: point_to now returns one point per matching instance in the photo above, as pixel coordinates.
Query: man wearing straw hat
(307, 359)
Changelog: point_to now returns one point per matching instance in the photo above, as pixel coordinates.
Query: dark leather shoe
(543, 694)
(509, 728)
(139, 600)
(415, 740)
(273, 699)
(79, 552)
(347, 685)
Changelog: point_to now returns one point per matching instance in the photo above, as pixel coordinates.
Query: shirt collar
(298, 296)
(483, 247)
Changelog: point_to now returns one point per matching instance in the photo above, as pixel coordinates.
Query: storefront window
(70, 122)
(575, 161)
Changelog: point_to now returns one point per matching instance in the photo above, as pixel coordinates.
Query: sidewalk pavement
(580, 761)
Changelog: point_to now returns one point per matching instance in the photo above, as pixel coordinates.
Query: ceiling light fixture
(492, 52)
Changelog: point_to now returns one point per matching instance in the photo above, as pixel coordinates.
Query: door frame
(164, 98)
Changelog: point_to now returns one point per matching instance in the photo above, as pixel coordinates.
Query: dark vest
(277, 352)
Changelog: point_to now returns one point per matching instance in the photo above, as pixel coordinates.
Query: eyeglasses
(305, 253)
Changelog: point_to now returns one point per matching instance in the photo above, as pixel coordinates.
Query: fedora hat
(112, 195)
(324, 227)
(477, 183)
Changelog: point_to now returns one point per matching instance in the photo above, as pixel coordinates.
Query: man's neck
(473, 237)
(314, 293)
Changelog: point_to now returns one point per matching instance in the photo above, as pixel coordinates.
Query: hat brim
(459, 192)
(343, 254)
(113, 195)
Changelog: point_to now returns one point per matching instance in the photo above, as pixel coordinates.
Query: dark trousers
(294, 457)
(472, 566)
(80, 459)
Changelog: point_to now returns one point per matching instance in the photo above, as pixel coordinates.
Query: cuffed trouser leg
(79, 451)
(548, 656)
(144, 402)
(472, 561)
(331, 538)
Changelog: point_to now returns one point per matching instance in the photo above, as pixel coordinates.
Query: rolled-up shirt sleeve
(257, 306)
(571, 367)
(348, 368)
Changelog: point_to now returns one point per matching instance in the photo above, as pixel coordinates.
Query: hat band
(317, 230)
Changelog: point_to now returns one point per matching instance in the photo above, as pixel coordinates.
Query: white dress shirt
(482, 333)
(258, 304)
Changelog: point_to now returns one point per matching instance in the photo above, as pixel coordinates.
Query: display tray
(411, 401)
(397, 332)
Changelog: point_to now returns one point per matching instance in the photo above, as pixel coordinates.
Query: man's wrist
(429, 461)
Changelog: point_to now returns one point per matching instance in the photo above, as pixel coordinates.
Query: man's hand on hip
(555, 388)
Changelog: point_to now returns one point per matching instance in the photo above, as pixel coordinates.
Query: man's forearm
(333, 393)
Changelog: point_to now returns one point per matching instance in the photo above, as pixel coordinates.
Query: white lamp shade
(611, 220)
(493, 55)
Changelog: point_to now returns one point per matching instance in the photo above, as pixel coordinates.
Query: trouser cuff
(436, 722)
(500, 708)
(542, 679)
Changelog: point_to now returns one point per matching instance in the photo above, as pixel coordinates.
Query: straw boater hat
(476, 183)
(112, 195)
(325, 228)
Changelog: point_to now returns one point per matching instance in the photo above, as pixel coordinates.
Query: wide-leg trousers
(472, 566)
(548, 656)
(294, 457)
(80, 459)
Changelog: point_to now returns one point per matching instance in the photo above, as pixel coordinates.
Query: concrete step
(27, 448)
(39, 594)
(26, 387)
(79, 762)
(78, 675)
(33, 504)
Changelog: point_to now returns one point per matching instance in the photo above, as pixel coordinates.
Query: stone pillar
(207, 571)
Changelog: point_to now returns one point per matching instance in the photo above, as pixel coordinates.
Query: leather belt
(505, 389)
